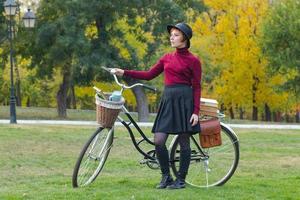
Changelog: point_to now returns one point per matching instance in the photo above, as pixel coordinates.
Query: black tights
(163, 155)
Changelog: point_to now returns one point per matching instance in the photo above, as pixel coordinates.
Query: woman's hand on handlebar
(118, 72)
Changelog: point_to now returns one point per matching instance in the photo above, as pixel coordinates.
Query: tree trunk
(28, 102)
(268, 116)
(102, 34)
(142, 104)
(68, 102)
(297, 93)
(287, 117)
(71, 101)
(254, 90)
(231, 113)
(61, 97)
(241, 113)
(254, 113)
(222, 108)
(141, 100)
(72, 97)
(277, 116)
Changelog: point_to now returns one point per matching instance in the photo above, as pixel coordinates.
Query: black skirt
(175, 111)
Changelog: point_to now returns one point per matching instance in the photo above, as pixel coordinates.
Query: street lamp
(29, 19)
(10, 7)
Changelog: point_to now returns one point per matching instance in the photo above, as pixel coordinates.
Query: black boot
(177, 184)
(166, 180)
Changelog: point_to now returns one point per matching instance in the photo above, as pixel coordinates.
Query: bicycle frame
(131, 120)
(133, 139)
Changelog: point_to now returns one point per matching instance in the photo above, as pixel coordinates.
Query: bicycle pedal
(142, 162)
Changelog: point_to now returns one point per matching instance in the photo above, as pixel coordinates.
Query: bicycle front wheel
(92, 157)
(209, 166)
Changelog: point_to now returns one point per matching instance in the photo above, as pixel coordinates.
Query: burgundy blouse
(179, 67)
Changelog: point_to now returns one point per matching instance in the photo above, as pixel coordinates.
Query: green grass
(39, 113)
(47, 113)
(37, 163)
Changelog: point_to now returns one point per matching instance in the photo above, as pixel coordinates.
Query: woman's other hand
(119, 72)
(194, 119)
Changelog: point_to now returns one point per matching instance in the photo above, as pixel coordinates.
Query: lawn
(37, 163)
(40, 113)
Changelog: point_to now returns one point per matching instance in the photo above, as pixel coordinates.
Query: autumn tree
(58, 43)
(3, 25)
(137, 50)
(234, 64)
(136, 35)
(78, 37)
(281, 44)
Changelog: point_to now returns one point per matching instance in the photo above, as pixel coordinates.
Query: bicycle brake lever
(110, 70)
(106, 69)
(97, 89)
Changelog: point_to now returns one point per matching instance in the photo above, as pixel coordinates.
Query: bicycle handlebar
(112, 72)
(150, 87)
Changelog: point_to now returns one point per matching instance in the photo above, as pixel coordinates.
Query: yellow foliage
(108, 87)
(91, 31)
(131, 38)
(278, 79)
(89, 92)
(227, 35)
(124, 53)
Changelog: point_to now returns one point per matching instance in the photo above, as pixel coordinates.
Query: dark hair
(185, 29)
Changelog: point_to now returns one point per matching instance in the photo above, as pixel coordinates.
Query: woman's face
(177, 39)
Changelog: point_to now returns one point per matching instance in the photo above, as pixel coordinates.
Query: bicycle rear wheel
(92, 157)
(209, 166)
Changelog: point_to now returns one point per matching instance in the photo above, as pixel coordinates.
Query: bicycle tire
(209, 166)
(92, 157)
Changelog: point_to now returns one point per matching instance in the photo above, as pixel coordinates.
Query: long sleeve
(196, 85)
(153, 72)
(179, 67)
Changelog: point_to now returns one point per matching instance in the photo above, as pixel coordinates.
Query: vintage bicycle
(208, 167)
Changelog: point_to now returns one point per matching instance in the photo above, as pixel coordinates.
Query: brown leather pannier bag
(210, 135)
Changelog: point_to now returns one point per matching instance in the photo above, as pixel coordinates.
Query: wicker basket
(107, 111)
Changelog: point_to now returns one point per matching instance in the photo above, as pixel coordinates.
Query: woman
(179, 107)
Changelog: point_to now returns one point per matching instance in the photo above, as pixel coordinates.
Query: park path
(148, 124)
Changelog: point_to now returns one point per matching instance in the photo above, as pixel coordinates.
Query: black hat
(185, 29)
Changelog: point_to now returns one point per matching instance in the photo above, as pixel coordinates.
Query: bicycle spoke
(86, 170)
(89, 170)
(104, 147)
(93, 145)
(92, 157)
(209, 166)
(211, 151)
